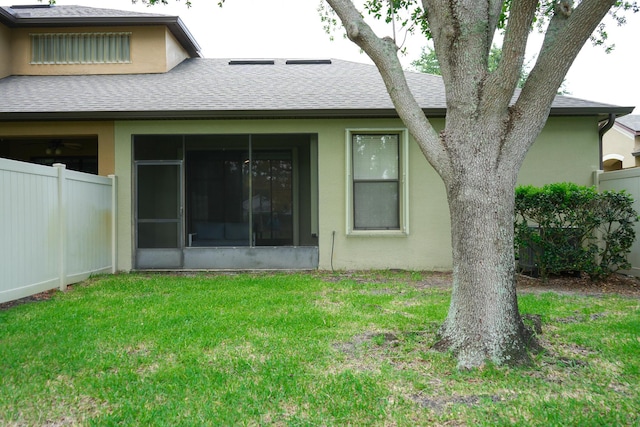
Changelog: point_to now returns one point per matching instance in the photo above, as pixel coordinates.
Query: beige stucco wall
(567, 150)
(103, 130)
(5, 51)
(619, 142)
(149, 52)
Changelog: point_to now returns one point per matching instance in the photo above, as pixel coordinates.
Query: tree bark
(483, 322)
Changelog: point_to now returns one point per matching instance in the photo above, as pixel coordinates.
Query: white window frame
(403, 178)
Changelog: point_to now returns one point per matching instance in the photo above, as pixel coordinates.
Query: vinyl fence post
(62, 225)
(114, 224)
(597, 175)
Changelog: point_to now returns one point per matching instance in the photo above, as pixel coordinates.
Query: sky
(291, 29)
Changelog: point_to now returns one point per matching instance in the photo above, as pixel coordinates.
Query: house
(237, 164)
(621, 144)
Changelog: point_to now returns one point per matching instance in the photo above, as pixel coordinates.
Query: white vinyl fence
(57, 227)
(629, 180)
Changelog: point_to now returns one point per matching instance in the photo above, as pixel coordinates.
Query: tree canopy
(428, 63)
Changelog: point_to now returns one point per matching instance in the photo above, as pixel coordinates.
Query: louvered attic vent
(80, 48)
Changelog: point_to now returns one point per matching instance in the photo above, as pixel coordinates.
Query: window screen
(376, 185)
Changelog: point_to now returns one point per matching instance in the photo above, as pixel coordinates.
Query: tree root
(477, 351)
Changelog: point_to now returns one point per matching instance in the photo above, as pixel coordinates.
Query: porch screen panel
(218, 188)
(272, 200)
(158, 197)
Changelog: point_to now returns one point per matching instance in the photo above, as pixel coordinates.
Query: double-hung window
(377, 182)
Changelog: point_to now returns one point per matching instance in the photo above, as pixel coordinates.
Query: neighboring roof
(630, 123)
(216, 88)
(44, 15)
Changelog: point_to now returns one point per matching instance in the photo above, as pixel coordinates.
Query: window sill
(377, 233)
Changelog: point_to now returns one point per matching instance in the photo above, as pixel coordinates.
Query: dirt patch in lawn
(42, 296)
(565, 285)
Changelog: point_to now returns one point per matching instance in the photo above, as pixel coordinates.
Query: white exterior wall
(56, 227)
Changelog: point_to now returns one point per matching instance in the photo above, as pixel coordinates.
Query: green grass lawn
(302, 349)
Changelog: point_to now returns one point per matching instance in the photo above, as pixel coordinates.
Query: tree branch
(442, 27)
(568, 31)
(383, 52)
(504, 80)
(495, 11)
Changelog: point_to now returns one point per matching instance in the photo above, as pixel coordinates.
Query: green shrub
(565, 227)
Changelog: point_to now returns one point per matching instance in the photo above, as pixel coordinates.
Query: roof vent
(31, 6)
(307, 61)
(253, 62)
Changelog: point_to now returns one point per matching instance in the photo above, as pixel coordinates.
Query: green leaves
(567, 227)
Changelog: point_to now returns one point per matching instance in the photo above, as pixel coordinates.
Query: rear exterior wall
(566, 150)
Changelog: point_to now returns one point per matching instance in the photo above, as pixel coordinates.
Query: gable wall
(567, 150)
(148, 52)
(5, 51)
(175, 53)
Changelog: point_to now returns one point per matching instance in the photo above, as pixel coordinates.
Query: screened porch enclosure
(225, 201)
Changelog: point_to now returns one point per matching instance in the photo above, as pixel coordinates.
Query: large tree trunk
(482, 147)
(483, 321)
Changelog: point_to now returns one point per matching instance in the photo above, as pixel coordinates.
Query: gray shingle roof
(631, 122)
(200, 88)
(54, 11)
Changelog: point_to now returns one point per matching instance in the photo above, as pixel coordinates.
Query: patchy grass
(302, 349)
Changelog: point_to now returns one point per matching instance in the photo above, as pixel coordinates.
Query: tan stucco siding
(567, 150)
(103, 130)
(175, 53)
(148, 52)
(5, 51)
(621, 143)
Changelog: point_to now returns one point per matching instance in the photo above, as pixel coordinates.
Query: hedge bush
(565, 227)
